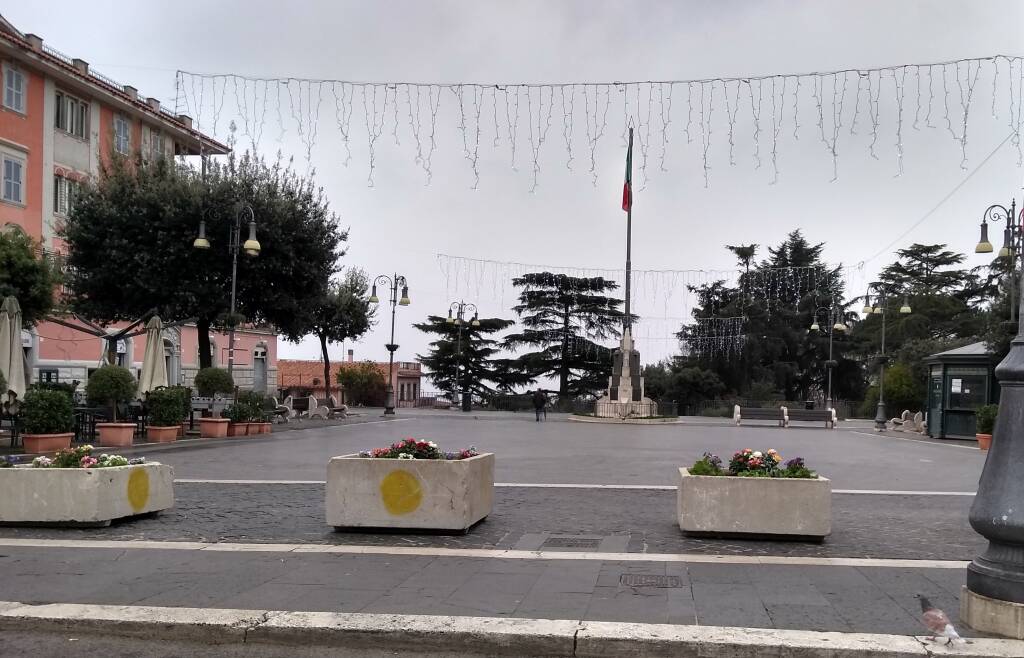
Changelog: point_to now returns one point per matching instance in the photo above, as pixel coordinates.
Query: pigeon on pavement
(937, 622)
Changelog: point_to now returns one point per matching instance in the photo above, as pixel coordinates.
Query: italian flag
(627, 186)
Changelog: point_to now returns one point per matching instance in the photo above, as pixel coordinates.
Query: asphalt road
(560, 451)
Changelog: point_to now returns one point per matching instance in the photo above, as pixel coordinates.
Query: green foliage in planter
(164, 405)
(708, 464)
(254, 405)
(111, 385)
(63, 387)
(210, 381)
(986, 417)
(236, 413)
(47, 412)
(184, 396)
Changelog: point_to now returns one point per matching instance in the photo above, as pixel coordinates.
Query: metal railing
(53, 52)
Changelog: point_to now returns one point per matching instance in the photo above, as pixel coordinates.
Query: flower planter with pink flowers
(757, 496)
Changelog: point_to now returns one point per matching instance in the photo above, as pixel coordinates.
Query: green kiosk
(960, 381)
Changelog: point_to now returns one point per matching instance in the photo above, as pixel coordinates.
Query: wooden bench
(759, 413)
(827, 416)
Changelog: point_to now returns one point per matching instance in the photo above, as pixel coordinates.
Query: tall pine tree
(469, 355)
(563, 317)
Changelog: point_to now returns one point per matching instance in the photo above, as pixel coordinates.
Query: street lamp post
(235, 244)
(879, 309)
(996, 513)
(459, 321)
(835, 324)
(394, 283)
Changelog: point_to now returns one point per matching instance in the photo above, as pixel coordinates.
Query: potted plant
(80, 489)
(111, 386)
(211, 382)
(411, 484)
(47, 420)
(164, 415)
(756, 496)
(184, 396)
(986, 422)
(257, 414)
(238, 414)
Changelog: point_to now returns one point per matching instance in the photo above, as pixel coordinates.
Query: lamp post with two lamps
(235, 244)
(459, 320)
(879, 309)
(995, 579)
(834, 323)
(393, 282)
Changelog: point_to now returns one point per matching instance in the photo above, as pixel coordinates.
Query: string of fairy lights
(755, 114)
(664, 299)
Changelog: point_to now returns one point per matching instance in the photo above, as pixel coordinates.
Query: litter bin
(809, 405)
(467, 401)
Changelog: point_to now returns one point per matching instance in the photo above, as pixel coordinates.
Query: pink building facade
(58, 120)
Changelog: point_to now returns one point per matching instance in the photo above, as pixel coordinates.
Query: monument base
(991, 615)
(607, 408)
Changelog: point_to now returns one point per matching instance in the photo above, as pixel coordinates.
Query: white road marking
(503, 554)
(638, 487)
(888, 437)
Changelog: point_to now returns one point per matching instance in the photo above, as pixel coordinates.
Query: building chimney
(131, 92)
(185, 120)
(154, 103)
(35, 42)
(81, 66)
(351, 355)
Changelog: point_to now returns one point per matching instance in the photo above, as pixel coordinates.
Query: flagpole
(627, 322)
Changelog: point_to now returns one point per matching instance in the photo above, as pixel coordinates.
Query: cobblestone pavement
(908, 527)
(559, 451)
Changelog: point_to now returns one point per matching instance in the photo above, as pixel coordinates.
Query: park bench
(827, 416)
(758, 413)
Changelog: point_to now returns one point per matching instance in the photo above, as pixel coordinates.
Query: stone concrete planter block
(83, 496)
(118, 435)
(756, 507)
(36, 444)
(213, 428)
(156, 434)
(416, 493)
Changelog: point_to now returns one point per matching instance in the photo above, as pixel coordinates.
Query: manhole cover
(571, 542)
(647, 580)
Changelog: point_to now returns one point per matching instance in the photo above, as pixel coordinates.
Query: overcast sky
(401, 224)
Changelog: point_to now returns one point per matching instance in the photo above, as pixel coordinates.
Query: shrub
(111, 385)
(211, 381)
(986, 417)
(254, 404)
(64, 387)
(47, 412)
(184, 397)
(164, 408)
(707, 465)
(236, 413)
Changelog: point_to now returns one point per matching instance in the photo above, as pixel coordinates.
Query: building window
(72, 115)
(14, 178)
(49, 375)
(122, 134)
(65, 193)
(14, 89)
(156, 144)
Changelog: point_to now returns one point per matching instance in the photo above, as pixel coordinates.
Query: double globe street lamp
(834, 323)
(392, 282)
(235, 244)
(459, 320)
(879, 309)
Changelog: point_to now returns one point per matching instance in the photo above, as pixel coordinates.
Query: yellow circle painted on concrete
(401, 492)
(138, 489)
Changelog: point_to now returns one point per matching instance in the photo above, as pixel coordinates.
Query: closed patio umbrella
(12, 356)
(154, 368)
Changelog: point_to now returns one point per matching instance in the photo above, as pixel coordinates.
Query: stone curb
(419, 634)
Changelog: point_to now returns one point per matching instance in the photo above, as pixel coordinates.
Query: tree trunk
(327, 366)
(563, 375)
(203, 331)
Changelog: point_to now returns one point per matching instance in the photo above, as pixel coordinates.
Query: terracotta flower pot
(46, 443)
(156, 434)
(181, 430)
(238, 429)
(984, 441)
(116, 434)
(265, 428)
(213, 428)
